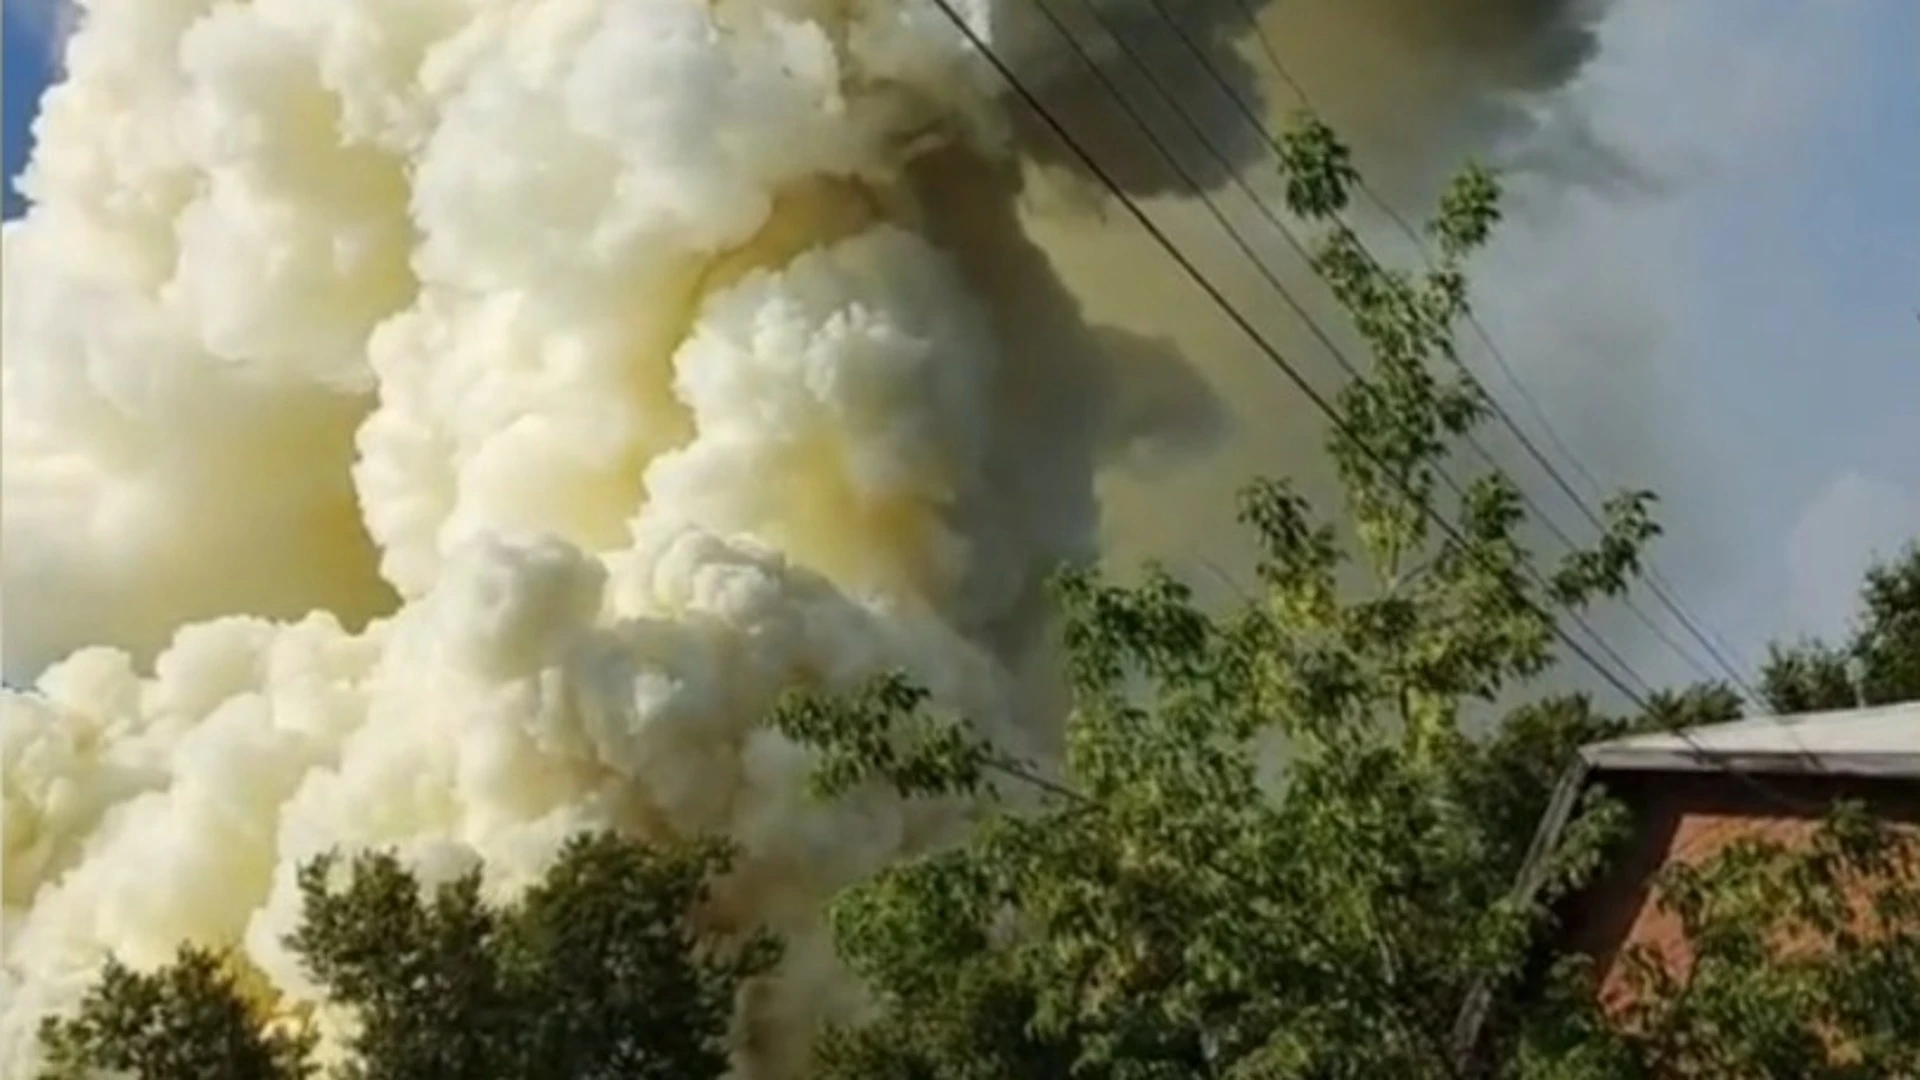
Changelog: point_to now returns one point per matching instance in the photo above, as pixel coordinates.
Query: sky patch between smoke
(32, 32)
(1769, 298)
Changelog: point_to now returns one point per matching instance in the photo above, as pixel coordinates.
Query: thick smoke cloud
(452, 425)
(1413, 84)
(1418, 88)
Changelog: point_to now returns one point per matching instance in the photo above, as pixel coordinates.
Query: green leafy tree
(192, 1018)
(1164, 912)
(1887, 644)
(597, 971)
(1810, 676)
(1880, 662)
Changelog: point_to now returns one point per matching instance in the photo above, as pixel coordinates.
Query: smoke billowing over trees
(1160, 904)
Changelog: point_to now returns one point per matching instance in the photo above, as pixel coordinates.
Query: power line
(1239, 319)
(1553, 526)
(1312, 324)
(1662, 589)
(1213, 292)
(1200, 132)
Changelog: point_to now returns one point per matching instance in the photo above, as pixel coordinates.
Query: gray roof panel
(1880, 741)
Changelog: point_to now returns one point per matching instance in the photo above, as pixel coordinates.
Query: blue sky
(1747, 342)
(24, 70)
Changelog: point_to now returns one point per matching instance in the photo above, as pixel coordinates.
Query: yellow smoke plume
(448, 425)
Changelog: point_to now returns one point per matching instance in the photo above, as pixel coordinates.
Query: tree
(1810, 676)
(598, 971)
(1887, 644)
(189, 1019)
(1878, 665)
(1164, 913)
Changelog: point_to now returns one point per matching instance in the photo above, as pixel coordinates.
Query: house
(1690, 794)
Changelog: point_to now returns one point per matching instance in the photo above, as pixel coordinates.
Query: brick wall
(1688, 817)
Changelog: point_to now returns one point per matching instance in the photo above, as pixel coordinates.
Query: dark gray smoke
(1413, 84)
(1417, 87)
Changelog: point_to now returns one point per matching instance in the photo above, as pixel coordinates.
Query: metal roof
(1879, 741)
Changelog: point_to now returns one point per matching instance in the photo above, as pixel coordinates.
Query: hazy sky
(1769, 295)
(1743, 335)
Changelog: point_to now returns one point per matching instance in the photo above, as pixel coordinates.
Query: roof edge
(1615, 757)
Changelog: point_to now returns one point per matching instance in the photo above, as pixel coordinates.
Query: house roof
(1880, 741)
